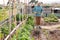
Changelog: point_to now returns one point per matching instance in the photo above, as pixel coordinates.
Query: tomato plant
(20, 17)
(25, 32)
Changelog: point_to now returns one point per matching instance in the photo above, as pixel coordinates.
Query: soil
(38, 34)
(54, 35)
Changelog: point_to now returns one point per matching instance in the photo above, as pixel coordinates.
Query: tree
(32, 1)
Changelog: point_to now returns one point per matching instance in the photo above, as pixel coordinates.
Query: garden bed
(50, 20)
(50, 23)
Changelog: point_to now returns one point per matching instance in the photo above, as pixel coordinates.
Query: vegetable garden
(17, 25)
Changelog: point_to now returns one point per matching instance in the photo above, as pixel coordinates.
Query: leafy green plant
(30, 20)
(12, 26)
(24, 32)
(13, 38)
(20, 17)
(3, 15)
(1, 35)
(5, 30)
(51, 18)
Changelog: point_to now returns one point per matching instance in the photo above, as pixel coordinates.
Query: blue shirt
(38, 10)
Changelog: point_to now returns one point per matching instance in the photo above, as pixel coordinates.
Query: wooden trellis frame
(14, 11)
(15, 29)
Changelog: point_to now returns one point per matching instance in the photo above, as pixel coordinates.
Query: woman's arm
(34, 9)
(41, 11)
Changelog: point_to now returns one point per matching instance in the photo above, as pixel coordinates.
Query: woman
(38, 10)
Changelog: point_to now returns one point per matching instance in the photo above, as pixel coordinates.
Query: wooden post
(14, 13)
(3, 3)
(10, 17)
(14, 10)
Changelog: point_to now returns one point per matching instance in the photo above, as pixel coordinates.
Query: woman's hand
(41, 14)
(35, 12)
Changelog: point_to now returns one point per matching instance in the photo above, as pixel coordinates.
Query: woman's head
(38, 4)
